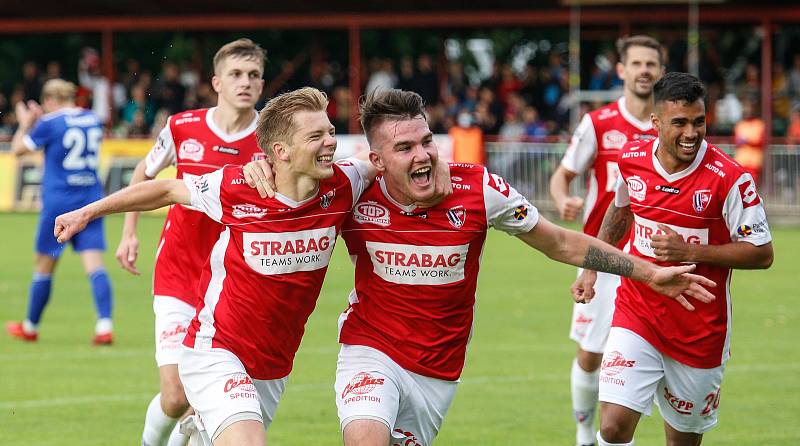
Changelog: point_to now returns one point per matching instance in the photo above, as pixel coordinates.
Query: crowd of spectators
(512, 105)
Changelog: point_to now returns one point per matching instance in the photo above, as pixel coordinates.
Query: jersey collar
(701, 153)
(229, 137)
(623, 110)
(403, 207)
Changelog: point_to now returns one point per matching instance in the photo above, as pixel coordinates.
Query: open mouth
(325, 159)
(687, 147)
(421, 176)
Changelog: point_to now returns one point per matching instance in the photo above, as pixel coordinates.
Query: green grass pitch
(514, 391)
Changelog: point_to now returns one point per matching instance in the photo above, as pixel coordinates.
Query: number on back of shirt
(83, 145)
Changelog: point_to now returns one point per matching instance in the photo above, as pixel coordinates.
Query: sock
(584, 400)
(103, 326)
(101, 290)
(157, 424)
(176, 438)
(601, 442)
(38, 297)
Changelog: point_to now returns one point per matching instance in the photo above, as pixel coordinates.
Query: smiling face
(640, 71)
(681, 129)
(404, 152)
(312, 144)
(238, 82)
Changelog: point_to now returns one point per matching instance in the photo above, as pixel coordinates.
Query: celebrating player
(196, 142)
(594, 148)
(265, 270)
(406, 330)
(71, 138)
(681, 200)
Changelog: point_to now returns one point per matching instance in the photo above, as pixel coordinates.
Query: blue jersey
(71, 140)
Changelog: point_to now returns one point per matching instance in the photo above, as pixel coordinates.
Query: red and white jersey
(417, 269)
(193, 143)
(594, 148)
(263, 276)
(712, 202)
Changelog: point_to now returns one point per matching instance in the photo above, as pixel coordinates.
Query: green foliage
(515, 389)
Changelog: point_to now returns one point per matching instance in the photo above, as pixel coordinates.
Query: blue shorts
(91, 238)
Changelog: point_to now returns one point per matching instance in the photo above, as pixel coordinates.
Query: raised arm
(581, 250)
(569, 206)
(145, 196)
(27, 114)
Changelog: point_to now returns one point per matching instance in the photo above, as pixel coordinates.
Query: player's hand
(677, 283)
(69, 224)
(27, 113)
(583, 288)
(570, 208)
(442, 185)
(258, 174)
(670, 246)
(127, 252)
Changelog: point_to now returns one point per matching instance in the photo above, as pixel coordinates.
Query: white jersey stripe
(726, 349)
(676, 212)
(218, 273)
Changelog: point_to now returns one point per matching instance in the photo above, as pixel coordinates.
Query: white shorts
(221, 392)
(172, 320)
(634, 372)
(370, 385)
(591, 322)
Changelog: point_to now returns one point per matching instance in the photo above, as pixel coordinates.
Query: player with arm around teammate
(70, 138)
(594, 149)
(683, 201)
(405, 332)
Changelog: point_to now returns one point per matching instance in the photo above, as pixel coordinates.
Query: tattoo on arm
(616, 224)
(608, 262)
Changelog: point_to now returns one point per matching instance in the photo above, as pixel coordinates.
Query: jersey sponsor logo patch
(191, 149)
(457, 215)
(326, 199)
(187, 120)
(247, 210)
(371, 212)
(744, 230)
(614, 363)
(520, 212)
(226, 150)
(747, 191)
(497, 183)
(288, 252)
(614, 139)
(362, 383)
(700, 200)
(607, 113)
(200, 183)
(239, 381)
(683, 407)
(418, 265)
(644, 230)
(668, 189)
(644, 137)
(715, 169)
(637, 154)
(456, 179)
(637, 188)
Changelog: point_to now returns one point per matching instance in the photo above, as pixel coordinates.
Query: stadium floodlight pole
(575, 64)
(693, 39)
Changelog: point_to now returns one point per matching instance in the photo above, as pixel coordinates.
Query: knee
(614, 432)
(366, 433)
(173, 401)
(589, 361)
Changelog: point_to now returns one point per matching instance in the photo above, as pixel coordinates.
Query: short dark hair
(640, 40)
(678, 86)
(388, 105)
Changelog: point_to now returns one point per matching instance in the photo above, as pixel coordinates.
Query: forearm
(559, 185)
(593, 254)
(616, 224)
(145, 196)
(738, 255)
(18, 146)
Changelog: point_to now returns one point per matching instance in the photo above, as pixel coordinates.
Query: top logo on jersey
(614, 139)
(607, 113)
(191, 149)
(637, 188)
(700, 200)
(371, 212)
(247, 210)
(457, 215)
(326, 199)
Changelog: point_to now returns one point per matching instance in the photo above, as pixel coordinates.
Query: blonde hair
(244, 48)
(60, 90)
(276, 119)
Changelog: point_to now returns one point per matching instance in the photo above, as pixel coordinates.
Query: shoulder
(723, 165)
(637, 149)
(605, 113)
(187, 117)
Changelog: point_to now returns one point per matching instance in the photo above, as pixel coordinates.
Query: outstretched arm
(139, 197)
(581, 250)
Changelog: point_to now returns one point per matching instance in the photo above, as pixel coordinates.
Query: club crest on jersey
(637, 188)
(247, 210)
(457, 215)
(191, 149)
(326, 199)
(614, 139)
(700, 200)
(371, 212)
